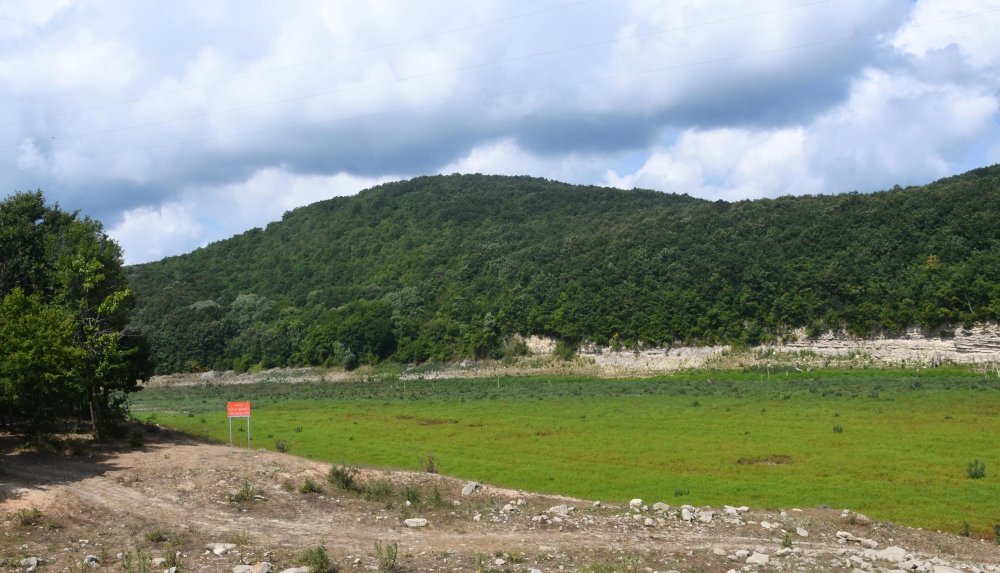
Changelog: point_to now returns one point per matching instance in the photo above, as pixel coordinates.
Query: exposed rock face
(975, 345)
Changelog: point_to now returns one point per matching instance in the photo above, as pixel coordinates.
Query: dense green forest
(442, 267)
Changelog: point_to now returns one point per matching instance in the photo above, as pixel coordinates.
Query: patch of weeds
(429, 464)
(280, 446)
(309, 486)
(156, 535)
(315, 559)
(380, 490)
(246, 493)
(996, 533)
(241, 538)
(28, 516)
(287, 485)
(838, 429)
(435, 499)
(343, 477)
(386, 555)
(976, 470)
(681, 492)
(624, 564)
(411, 494)
(966, 531)
(140, 562)
(786, 541)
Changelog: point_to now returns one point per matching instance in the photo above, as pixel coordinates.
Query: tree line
(438, 268)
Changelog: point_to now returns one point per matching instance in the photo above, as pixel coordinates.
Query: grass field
(889, 443)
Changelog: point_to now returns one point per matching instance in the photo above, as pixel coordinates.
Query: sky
(179, 124)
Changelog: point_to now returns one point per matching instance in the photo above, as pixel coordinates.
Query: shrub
(786, 541)
(976, 470)
(280, 446)
(156, 535)
(316, 559)
(681, 492)
(386, 555)
(309, 486)
(380, 490)
(838, 429)
(966, 531)
(430, 466)
(436, 499)
(245, 493)
(28, 516)
(343, 478)
(411, 494)
(565, 350)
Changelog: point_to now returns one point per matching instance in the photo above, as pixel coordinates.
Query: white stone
(635, 503)
(945, 569)
(649, 522)
(295, 570)
(758, 559)
(801, 532)
(686, 514)
(416, 522)
(660, 506)
(559, 509)
(242, 569)
(470, 488)
(706, 516)
(220, 548)
(719, 551)
(893, 554)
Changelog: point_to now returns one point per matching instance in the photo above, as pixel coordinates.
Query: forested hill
(449, 266)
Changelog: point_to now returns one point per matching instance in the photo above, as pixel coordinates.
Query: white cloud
(727, 164)
(205, 214)
(968, 25)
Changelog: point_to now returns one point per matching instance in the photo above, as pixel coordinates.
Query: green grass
(754, 438)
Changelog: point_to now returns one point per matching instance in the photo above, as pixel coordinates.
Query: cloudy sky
(181, 123)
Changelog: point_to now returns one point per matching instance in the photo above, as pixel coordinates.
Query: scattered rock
(416, 522)
(801, 532)
(295, 570)
(945, 569)
(560, 509)
(471, 488)
(649, 522)
(263, 567)
(893, 554)
(706, 516)
(30, 564)
(686, 514)
(660, 506)
(758, 559)
(635, 503)
(91, 561)
(220, 548)
(242, 569)
(719, 552)
(597, 503)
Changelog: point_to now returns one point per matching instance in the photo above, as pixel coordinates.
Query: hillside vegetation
(440, 267)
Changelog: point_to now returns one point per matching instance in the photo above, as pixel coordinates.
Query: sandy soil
(114, 498)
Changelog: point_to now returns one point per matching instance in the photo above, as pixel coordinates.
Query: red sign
(238, 409)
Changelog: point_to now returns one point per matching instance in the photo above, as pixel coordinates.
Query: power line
(426, 75)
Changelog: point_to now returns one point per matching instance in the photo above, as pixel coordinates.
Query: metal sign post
(238, 410)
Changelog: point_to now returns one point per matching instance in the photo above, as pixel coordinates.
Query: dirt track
(115, 498)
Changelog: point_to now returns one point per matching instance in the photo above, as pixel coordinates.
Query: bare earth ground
(113, 498)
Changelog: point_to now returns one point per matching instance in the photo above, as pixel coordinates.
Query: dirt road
(172, 495)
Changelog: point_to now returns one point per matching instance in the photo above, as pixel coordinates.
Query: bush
(343, 478)
(430, 466)
(436, 499)
(316, 559)
(838, 429)
(966, 531)
(565, 350)
(28, 516)
(245, 493)
(309, 486)
(281, 446)
(380, 490)
(411, 494)
(786, 541)
(156, 535)
(386, 556)
(976, 470)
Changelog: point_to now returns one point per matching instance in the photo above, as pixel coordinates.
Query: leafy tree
(66, 310)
